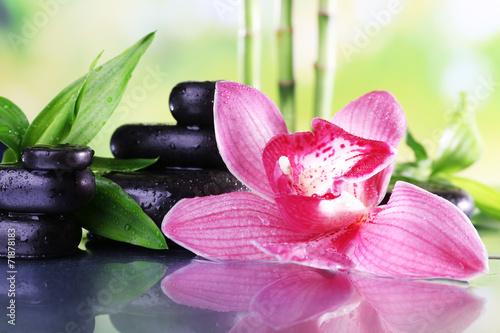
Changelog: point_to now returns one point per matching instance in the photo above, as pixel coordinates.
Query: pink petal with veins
(420, 235)
(376, 116)
(245, 119)
(324, 251)
(420, 306)
(301, 297)
(224, 227)
(318, 215)
(223, 286)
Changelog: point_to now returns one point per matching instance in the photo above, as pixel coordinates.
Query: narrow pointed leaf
(106, 86)
(13, 125)
(104, 164)
(460, 144)
(112, 213)
(54, 123)
(418, 149)
(487, 199)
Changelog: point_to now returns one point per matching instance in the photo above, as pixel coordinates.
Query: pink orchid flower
(314, 195)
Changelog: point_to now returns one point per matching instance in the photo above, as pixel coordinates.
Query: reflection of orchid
(314, 195)
(292, 298)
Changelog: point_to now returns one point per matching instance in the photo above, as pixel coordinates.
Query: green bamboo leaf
(487, 199)
(418, 149)
(10, 156)
(112, 213)
(103, 164)
(13, 125)
(105, 88)
(460, 144)
(54, 123)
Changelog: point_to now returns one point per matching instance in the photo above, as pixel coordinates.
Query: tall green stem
(250, 45)
(285, 54)
(326, 64)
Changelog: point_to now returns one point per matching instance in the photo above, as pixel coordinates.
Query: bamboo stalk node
(286, 83)
(324, 68)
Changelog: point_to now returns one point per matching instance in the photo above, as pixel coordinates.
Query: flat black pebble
(3, 148)
(192, 103)
(176, 146)
(457, 196)
(39, 236)
(44, 191)
(157, 192)
(57, 157)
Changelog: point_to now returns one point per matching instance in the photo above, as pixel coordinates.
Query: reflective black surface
(111, 287)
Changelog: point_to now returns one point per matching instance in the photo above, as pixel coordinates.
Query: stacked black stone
(189, 163)
(36, 196)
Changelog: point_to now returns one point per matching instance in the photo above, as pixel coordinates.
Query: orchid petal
(228, 286)
(362, 318)
(420, 306)
(376, 116)
(223, 227)
(420, 235)
(317, 215)
(325, 251)
(318, 161)
(245, 119)
(301, 297)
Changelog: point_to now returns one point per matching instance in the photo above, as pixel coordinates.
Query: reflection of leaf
(13, 125)
(460, 144)
(103, 164)
(486, 198)
(112, 213)
(116, 285)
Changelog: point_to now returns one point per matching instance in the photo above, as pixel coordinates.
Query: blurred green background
(425, 52)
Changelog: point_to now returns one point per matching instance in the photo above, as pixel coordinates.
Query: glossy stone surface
(176, 146)
(57, 157)
(157, 192)
(192, 103)
(457, 196)
(39, 236)
(44, 191)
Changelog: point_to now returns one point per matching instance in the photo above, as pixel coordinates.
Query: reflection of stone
(158, 191)
(47, 295)
(38, 236)
(65, 295)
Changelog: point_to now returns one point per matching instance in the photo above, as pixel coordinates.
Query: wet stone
(192, 102)
(44, 191)
(57, 157)
(176, 146)
(158, 192)
(457, 196)
(39, 236)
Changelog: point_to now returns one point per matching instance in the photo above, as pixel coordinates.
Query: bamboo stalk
(250, 45)
(326, 64)
(285, 55)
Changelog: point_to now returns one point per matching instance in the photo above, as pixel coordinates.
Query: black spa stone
(176, 146)
(39, 236)
(457, 196)
(44, 191)
(57, 157)
(192, 103)
(157, 192)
